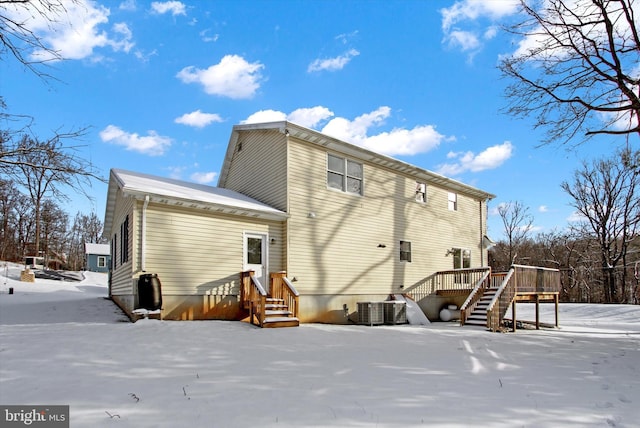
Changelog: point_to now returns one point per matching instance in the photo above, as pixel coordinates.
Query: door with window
(255, 257)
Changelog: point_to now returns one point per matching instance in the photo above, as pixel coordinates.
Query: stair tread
(280, 319)
(269, 312)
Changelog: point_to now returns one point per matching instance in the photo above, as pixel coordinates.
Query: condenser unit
(370, 313)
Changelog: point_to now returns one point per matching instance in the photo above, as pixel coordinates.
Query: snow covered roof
(99, 249)
(183, 193)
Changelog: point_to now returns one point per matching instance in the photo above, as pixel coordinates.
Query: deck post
(556, 298)
(537, 311)
(513, 312)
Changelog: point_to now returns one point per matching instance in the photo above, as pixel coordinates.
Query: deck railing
(475, 295)
(253, 296)
(282, 288)
(520, 279)
(447, 280)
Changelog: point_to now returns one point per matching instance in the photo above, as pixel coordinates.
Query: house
(97, 257)
(346, 224)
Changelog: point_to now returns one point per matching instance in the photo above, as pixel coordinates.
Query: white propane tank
(450, 313)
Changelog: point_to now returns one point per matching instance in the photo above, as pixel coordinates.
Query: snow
(65, 343)
(170, 188)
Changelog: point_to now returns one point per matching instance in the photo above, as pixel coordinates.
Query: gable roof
(98, 249)
(182, 193)
(356, 152)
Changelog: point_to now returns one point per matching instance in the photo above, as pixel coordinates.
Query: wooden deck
(491, 294)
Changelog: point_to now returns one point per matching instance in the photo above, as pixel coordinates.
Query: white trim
(265, 254)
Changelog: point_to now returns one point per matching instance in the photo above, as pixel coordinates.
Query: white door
(255, 256)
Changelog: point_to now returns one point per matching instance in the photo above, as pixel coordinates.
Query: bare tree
(47, 168)
(606, 194)
(517, 225)
(19, 40)
(576, 69)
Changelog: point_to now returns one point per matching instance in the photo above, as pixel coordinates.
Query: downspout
(481, 236)
(143, 239)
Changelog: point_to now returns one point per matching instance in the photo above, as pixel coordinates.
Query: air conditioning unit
(395, 312)
(370, 313)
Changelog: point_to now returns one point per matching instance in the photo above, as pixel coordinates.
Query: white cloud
(576, 217)
(490, 158)
(232, 77)
(543, 209)
(206, 37)
(203, 177)
(198, 119)
(469, 13)
(465, 40)
(398, 141)
(173, 7)
(129, 5)
(470, 10)
(151, 144)
(74, 33)
(307, 117)
(333, 64)
(264, 116)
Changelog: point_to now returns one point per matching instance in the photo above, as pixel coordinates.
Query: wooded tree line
(61, 238)
(599, 252)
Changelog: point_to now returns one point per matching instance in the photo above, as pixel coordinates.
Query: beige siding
(352, 244)
(198, 252)
(121, 283)
(259, 168)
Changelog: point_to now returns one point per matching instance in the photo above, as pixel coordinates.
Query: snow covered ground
(65, 343)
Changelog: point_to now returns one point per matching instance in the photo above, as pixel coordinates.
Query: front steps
(277, 314)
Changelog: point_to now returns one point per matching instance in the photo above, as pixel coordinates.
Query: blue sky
(160, 84)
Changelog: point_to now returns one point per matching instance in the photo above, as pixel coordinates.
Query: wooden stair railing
(269, 310)
(520, 280)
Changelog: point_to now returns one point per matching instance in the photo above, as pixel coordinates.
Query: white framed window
(461, 258)
(344, 174)
(405, 251)
(102, 261)
(421, 192)
(452, 199)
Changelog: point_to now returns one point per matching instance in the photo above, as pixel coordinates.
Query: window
(254, 251)
(405, 251)
(461, 258)
(114, 248)
(124, 241)
(344, 174)
(102, 261)
(421, 192)
(453, 201)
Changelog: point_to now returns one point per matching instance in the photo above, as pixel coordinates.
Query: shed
(97, 257)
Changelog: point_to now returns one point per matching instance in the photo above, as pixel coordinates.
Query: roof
(182, 193)
(357, 152)
(99, 249)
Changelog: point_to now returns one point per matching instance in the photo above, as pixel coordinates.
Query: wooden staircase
(278, 308)
(277, 314)
(479, 314)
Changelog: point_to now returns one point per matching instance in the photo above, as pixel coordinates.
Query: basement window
(344, 174)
